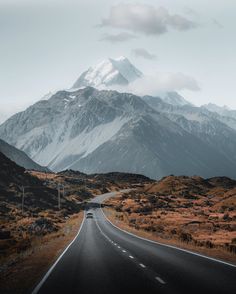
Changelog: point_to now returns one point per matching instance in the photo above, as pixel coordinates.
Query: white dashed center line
(130, 256)
(160, 280)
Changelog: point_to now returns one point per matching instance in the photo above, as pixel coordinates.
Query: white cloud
(162, 82)
(141, 52)
(121, 37)
(146, 19)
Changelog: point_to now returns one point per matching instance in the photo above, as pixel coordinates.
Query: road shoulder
(28, 269)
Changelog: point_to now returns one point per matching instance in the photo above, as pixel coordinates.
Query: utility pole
(23, 199)
(63, 187)
(59, 197)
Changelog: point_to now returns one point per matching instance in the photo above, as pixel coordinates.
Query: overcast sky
(185, 45)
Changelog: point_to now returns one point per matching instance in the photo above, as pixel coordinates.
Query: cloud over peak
(162, 82)
(145, 19)
(141, 52)
(117, 38)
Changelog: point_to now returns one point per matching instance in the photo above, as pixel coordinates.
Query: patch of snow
(127, 70)
(84, 144)
(174, 98)
(195, 117)
(72, 96)
(108, 72)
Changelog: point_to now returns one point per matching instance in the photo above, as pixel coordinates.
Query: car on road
(89, 215)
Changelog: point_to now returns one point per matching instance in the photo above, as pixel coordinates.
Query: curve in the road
(105, 259)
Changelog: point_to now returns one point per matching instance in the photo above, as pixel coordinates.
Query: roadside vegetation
(189, 212)
(40, 213)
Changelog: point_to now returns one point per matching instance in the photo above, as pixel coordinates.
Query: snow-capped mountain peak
(109, 72)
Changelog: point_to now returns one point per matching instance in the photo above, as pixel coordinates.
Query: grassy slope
(191, 212)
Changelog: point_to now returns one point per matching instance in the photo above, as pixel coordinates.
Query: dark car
(89, 215)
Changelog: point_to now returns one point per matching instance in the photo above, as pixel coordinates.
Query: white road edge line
(160, 280)
(40, 284)
(170, 246)
(130, 256)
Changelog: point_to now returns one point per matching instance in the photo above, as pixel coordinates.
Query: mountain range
(94, 130)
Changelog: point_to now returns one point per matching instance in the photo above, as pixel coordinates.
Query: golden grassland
(216, 252)
(187, 212)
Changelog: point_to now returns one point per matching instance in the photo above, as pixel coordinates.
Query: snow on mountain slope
(215, 108)
(117, 74)
(71, 124)
(174, 98)
(147, 146)
(223, 111)
(109, 72)
(100, 131)
(216, 130)
(82, 145)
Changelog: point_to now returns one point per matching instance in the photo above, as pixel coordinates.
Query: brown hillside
(189, 209)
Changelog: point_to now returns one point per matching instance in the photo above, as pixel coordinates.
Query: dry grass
(23, 271)
(190, 213)
(188, 208)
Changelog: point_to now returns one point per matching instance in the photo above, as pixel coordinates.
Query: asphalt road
(104, 259)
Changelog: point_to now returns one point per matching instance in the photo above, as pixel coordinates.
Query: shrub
(5, 235)
(233, 241)
(209, 244)
(186, 237)
(226, 217)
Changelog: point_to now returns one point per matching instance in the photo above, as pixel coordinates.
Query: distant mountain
(104, 131)
(19, 157)
(110, 72)
(174, 98)
(215, 130)
(224, 110)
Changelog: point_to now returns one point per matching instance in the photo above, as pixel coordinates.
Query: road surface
(104, 259)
